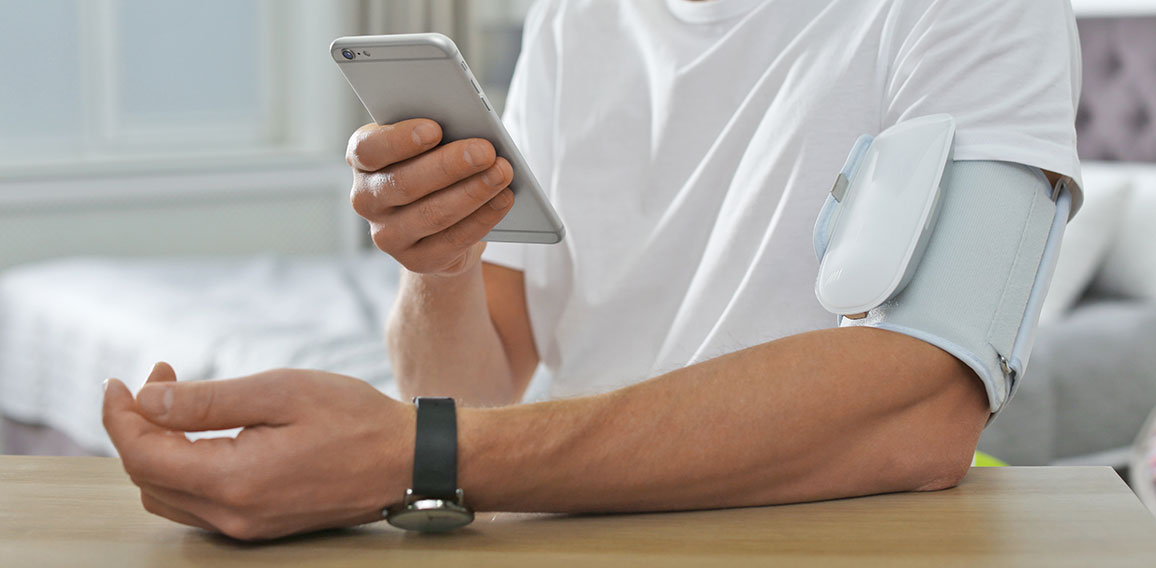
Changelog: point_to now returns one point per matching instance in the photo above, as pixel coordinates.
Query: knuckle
(369, 147)
(361, 199)
(137, 481)
(385, 187)
(202, 404)
(133, 465)
(373, 194)
(149, 503)
(381, 241)
(238, 527)
(356, 148)
(385, 237)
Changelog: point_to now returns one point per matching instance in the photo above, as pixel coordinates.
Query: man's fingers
(160, 508)
(442, 209)
(468, 231)
(374, 146)
(119, 415)
(149, 451)
(217, 405)
(413, 179)
(169, 460)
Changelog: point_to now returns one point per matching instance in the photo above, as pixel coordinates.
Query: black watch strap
(435, 451)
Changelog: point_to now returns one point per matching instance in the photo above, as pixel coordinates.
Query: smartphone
(403, 76)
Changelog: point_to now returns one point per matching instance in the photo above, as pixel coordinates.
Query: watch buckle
(458, 499)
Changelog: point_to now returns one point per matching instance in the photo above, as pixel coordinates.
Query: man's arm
(821, 415)
(429, 206)
(465, 336)
(827, 414)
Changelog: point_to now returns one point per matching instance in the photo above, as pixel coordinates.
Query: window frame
(309, 122)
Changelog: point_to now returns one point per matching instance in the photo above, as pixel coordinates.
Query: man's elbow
(945, 436)
(944, 475)
(940, 432)
(930, 464)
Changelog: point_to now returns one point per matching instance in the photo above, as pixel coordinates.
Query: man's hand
(317, 451)
(428, 206)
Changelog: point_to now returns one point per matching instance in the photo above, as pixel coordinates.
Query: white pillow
(1088, 236)
(1130, 268)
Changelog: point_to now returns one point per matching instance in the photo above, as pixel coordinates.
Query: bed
(67, 325)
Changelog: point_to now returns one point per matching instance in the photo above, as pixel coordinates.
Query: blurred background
(172, 186)
(146, 127)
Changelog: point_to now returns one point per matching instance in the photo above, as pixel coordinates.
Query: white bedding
(66, 326)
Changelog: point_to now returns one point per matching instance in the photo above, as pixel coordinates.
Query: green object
(984, 460)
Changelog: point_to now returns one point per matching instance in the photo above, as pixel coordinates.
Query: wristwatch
(434, 502)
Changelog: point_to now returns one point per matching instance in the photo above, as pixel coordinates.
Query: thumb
(117, 398)
(214, 405)
(121, 420)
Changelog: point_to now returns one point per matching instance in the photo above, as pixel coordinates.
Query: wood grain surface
(85, 512)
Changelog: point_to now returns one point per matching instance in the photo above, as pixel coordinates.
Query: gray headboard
(1117, 114)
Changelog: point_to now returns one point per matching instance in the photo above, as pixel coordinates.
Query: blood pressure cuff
(980, 280)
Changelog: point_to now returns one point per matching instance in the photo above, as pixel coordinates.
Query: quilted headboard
(1117, 114)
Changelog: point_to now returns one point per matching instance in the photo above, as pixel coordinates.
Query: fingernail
(424, 134)
(493, 177)
(156, 399)
(104, 385)
(473, 154)
(502, 200)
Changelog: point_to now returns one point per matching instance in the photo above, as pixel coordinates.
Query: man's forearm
(821, 415)
(442, 341)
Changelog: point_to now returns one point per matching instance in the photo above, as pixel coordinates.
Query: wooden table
(84, 512)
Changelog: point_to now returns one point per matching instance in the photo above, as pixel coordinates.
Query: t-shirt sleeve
(1008, 71)
(510, 255)
(526, 115)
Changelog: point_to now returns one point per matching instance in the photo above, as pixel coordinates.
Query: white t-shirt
(688, 147)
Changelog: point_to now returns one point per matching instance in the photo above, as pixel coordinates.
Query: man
(688, 148)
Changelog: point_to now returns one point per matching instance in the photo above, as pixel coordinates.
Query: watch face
(431, 515)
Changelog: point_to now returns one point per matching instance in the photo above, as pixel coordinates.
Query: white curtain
(450, 17)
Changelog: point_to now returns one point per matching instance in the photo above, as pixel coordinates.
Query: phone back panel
(399, 77)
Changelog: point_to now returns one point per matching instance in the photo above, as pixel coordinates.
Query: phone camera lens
(348, 53)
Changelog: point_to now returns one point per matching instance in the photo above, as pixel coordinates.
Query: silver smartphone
(398, 77)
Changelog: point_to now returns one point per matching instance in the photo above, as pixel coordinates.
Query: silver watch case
(429, 515)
